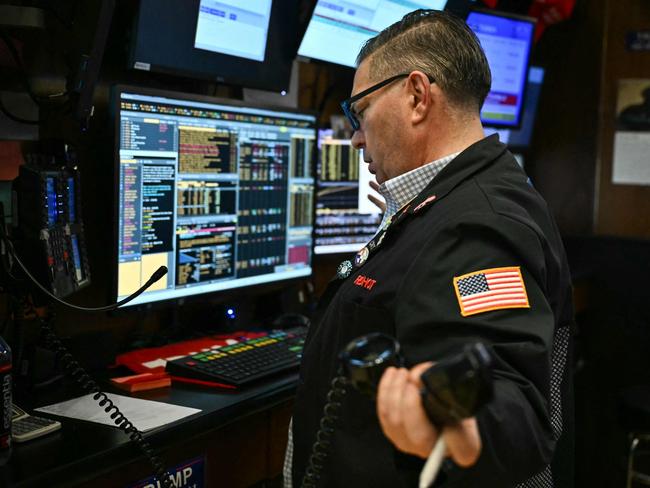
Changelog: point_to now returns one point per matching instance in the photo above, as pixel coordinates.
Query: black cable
(320, 448)
(159, 273)
(18, 340)
(68, 24)
(78, 373)
(38, 99)
(16, 118)
(5, 322)
(5, 257)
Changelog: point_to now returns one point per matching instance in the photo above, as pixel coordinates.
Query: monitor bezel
(279, 38)
(525, 146)
(523, 18)
(308, 59)
(115, 96)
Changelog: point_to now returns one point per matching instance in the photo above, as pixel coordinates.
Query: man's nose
(358, 142)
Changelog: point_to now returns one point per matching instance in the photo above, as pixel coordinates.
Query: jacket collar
(467, 163)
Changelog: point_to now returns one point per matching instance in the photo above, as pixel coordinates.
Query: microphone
(159, 273)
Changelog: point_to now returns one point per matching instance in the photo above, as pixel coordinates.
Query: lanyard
(346, 267)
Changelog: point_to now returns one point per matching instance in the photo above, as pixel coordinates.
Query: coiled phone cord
(78, 373)
(72, 366)
(320, 448)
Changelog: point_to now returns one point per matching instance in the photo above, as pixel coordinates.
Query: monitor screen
(219, 22)
(220, 193)
(506, 41)
(251, 44)
(520, 138)
(345, 219)
(338, 28)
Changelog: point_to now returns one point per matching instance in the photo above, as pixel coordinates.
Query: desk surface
(81, 450)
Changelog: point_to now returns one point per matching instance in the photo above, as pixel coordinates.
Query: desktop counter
(241, 437)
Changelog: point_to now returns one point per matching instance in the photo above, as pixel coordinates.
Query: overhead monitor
(220, 23)
(250, 44)
(220, 193)
(338, 28)
(520, 138)
(345, 218)
(506, 40)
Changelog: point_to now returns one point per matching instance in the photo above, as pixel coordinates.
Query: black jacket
(478, 213)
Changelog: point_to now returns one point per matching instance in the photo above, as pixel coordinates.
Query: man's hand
(378, 202)
(405, 423)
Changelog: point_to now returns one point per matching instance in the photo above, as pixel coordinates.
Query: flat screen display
(520, 138)
(221, 22)
(506, 41)
(345, 218)
(338, 28)
(250, 44)
(221, 194)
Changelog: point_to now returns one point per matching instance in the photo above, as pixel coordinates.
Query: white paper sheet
(631, 164)
(144, 414)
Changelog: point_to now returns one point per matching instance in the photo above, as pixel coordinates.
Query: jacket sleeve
(515, 427)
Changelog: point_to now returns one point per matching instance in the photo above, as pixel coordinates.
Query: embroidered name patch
(364, 282)
(490, 289)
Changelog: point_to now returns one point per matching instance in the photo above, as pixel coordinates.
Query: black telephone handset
(365, 359)
(454, 388)
(457, 386)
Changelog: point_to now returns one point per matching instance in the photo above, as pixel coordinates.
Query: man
(467, 251)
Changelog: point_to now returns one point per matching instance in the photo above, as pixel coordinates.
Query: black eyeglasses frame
(346, 104)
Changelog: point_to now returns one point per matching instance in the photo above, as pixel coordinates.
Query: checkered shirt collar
(402, 189)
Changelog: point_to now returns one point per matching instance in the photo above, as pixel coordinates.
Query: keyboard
(245, 362)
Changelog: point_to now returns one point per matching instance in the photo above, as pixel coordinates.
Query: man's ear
(421, 97)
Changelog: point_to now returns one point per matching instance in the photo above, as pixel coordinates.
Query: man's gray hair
(438, 44)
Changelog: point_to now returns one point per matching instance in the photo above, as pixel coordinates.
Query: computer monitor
(221, 22)
(338, 28)
(506, 40)
(521, 138)
(219, 192)
(345, 219)
(251, 44)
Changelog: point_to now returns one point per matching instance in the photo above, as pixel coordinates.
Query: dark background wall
(561, 159)
(622, 210)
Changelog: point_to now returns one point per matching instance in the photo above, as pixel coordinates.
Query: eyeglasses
(346, 105)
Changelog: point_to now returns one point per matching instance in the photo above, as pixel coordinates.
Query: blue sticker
(190, 474)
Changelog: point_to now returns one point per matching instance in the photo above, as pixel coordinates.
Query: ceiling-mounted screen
(250, 44)
(220, 22)
(521, 138)
(506, 41)
(338, 28)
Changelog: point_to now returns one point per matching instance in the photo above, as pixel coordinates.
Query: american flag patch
(490, 289)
